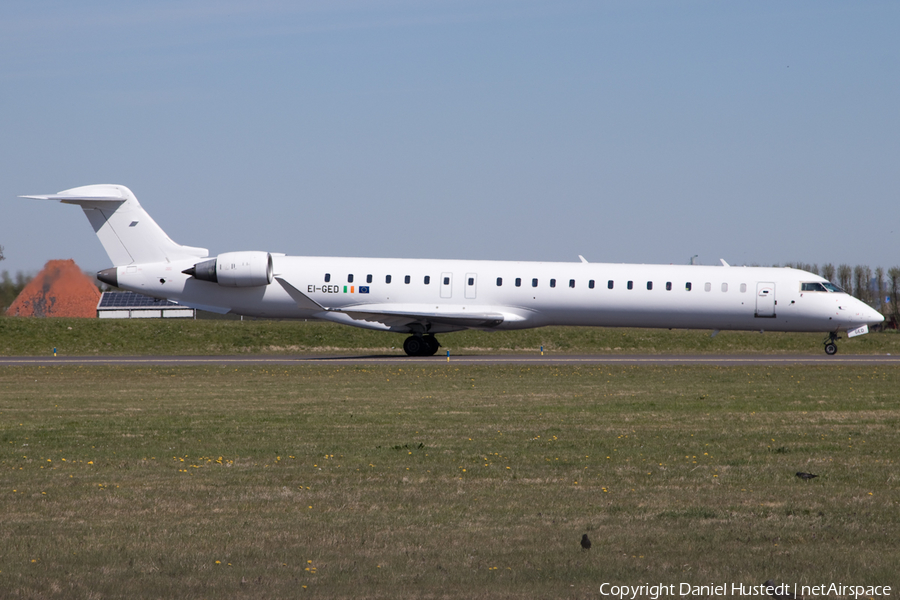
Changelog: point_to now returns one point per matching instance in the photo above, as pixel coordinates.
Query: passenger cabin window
(427, 279)
(668, 286)
(743, 288)
(707, 286)
(571, 283)
(327, 277)
(471, 281)
(499, 281)
(446, 281)
(387, 278)
(649, 285)
(369, 278)
(687, 286)
(534, 283)
(591, 284)
(724, 287)
(630, 285)
(349, 278)
(610, 284)
(518, 282)
(406, 279)
(814, 286)
(552, 283)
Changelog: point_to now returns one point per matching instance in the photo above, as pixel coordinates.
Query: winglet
(302, 300)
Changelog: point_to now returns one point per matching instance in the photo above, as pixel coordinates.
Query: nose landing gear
(830, 346)
(421, 345)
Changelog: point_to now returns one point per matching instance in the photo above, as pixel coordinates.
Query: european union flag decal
(363, 289)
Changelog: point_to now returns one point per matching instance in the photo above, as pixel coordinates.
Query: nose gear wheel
(830, 346)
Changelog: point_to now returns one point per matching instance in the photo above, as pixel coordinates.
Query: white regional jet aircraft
(424, 297)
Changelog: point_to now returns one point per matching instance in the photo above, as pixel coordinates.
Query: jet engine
(235, 269)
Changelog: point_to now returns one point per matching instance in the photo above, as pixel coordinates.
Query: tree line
(10, 288)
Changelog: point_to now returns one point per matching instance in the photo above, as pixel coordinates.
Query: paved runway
(487, 359)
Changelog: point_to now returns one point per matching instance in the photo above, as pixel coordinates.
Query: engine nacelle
(235, 269)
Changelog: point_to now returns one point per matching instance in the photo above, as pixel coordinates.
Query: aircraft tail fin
(128, 234)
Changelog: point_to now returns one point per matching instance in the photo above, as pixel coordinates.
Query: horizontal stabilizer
(112, 196)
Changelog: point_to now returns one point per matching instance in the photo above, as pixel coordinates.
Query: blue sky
(758, 132)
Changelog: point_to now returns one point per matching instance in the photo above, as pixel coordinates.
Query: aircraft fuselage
(527, 294)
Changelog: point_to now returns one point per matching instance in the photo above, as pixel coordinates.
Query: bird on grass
(780, 593)
(585, 543)
(805, 476)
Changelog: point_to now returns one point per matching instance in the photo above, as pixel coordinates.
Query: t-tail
(128, 234)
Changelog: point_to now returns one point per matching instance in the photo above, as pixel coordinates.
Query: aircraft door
(446, 285)
(765, 299)
(471, 280)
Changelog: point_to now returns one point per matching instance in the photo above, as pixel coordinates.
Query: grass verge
(111, 337)
(442, 481)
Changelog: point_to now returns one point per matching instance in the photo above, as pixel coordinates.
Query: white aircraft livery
(423, 297)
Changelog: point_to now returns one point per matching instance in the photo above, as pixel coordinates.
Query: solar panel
(131, 300)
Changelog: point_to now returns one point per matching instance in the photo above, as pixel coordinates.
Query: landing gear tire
(421, 345)
(830, 346)
(414, 345)
(432, 344)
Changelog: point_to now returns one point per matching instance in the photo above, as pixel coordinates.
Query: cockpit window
(816, 286)
(813, 286)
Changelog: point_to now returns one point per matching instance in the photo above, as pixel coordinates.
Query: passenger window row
(534, 283)
(387, 279)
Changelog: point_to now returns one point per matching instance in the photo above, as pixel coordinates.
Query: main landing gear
(421, 345)
(830, 346)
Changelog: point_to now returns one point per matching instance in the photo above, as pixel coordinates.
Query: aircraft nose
(857, 313)
(874, 317)
(868, 315)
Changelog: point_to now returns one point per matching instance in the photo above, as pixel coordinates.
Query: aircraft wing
(406, 314)
(403, 315)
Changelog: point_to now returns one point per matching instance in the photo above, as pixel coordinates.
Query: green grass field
(85, 337)
(442, 481)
